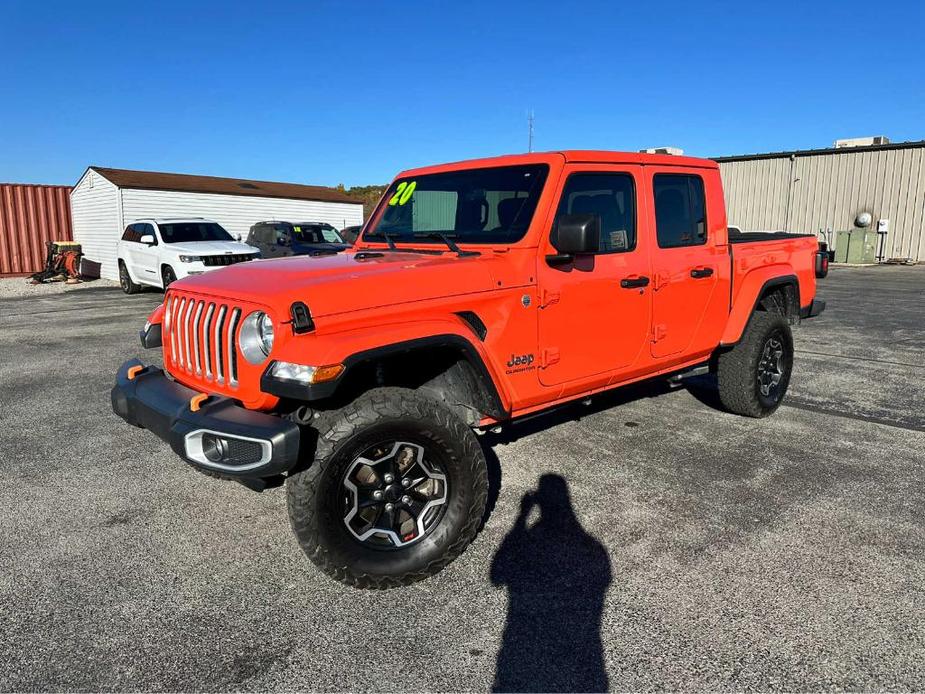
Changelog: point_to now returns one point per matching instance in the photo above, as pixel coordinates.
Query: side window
(129, 234)
(613, 198)
(680, 210)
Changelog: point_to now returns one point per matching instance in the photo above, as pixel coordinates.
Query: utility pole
(530, 131)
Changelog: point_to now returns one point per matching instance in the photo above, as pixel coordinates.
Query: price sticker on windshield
(403, 193)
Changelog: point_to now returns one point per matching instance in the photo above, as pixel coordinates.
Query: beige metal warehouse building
(826, 189)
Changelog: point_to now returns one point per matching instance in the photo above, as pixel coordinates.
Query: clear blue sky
(351, 92)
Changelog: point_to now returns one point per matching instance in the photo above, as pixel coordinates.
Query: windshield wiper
(447, 240)
(389, 239)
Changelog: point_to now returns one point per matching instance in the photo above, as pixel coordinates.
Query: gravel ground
(647, 542)
(19, 287)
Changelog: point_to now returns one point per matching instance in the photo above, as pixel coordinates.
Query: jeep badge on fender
(525, 359)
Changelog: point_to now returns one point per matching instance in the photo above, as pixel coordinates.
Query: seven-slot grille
(202, 337)
(214, 260)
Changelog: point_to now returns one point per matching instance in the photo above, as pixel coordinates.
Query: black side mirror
(574, 235)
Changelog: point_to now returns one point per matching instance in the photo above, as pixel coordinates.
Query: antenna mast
(530, 131)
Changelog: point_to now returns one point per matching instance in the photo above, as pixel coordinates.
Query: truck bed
(755, 252)
(753, 236)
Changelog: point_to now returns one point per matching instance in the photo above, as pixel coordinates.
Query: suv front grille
(201, 338)
(219, 260)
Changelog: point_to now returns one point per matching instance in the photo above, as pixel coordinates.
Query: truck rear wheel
(396, 491)
(753, 376)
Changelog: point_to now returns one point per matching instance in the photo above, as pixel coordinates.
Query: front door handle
(701, 272)
(634, 282)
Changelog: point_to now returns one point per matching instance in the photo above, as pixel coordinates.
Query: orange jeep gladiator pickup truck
(478, 292)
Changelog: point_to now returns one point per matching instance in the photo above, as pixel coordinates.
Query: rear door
(590, 324)
(688, 265)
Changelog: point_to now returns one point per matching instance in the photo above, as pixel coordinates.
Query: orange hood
(335, 284)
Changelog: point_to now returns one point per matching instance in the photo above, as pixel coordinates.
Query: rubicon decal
(520, 362)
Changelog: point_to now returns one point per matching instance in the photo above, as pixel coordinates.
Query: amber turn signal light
(327, 373)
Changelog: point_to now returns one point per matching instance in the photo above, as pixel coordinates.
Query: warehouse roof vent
(674, 151)
(862, 141)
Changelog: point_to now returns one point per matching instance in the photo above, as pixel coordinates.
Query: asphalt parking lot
(667, 545)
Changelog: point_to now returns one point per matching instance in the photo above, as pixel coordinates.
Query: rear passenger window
(613, 198)
(680, 210)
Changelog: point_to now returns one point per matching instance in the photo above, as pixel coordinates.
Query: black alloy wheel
(771, 368)
(754, 375)
(396, 489)
(394, 493)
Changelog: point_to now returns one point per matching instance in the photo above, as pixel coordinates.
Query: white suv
(156, 252)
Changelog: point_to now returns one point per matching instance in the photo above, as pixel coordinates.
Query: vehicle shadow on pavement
(557, 576)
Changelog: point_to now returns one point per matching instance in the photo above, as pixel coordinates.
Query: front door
(686, 265)
(594, 314)
(145, 256)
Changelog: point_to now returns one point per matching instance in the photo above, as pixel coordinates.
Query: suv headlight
(190, 258)
(256, 337)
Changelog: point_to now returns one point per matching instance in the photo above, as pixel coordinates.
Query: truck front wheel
(753, 376)
(396, 491)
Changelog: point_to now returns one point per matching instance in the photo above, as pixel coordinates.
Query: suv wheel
(168, 276)
(753, 376)
(396, 492)
(125, 280)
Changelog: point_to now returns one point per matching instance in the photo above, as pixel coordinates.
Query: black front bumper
(252, 445)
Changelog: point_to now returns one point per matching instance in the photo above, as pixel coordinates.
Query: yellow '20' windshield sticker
(403, 193)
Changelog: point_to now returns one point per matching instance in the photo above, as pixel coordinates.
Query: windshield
(184, 232)
(474, 206)
(316, 233)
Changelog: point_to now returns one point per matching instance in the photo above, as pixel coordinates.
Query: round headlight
(256, 337)
(265, 330)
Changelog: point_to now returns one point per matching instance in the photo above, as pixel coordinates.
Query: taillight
(822, 260)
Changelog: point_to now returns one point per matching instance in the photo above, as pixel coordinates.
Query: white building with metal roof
(104, 201)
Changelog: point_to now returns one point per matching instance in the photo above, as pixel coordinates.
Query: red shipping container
(30, 215)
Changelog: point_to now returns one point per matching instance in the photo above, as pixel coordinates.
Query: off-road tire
(737, 369)
(168, 276)
(314, 494)
(126, 282)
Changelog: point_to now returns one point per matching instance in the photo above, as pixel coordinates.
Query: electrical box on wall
(857, 246)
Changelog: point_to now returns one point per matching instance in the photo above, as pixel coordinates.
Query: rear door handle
(634, 282)
(701, 272)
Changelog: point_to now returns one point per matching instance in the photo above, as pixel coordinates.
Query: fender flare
(755, 285)
(354, 359)
(465, 346)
